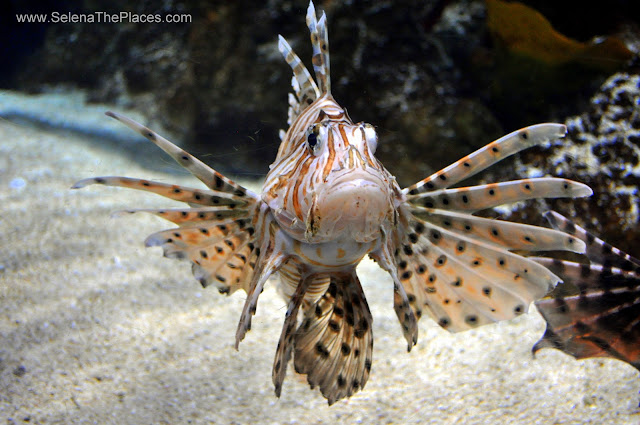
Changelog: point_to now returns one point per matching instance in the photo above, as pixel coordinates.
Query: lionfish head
(326, 183)
(333, 186)
(341, 188)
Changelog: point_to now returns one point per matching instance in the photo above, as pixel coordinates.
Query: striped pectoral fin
(487, 156)
(595, 313)
(199, 169)
(334, 342)
(598, 251)
(476, 198)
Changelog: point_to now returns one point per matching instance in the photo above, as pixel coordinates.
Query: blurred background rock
(438, 78)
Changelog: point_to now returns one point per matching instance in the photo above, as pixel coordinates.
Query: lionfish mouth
(354, 206)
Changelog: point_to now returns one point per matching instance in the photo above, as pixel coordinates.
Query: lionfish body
(327, 202)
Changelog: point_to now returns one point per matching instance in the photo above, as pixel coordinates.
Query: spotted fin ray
(461, 269)
(476, 198)
(191, 196)
(320, 45)
(488, 155)
(305, 89)
(211, 178)
(596, 312)
(216, 235)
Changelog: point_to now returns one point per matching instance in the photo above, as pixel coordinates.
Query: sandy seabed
(97, 329)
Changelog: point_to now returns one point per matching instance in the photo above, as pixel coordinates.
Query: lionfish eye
(313, 140)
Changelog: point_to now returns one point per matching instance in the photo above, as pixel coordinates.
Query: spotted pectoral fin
(216, 234)
(460, 277)
(488, 155)
(220, 246)
(476, 198)
(334, 342)
(199, 169)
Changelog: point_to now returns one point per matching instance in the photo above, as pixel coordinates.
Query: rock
(426, 74)
(602, 149)
(219, 84)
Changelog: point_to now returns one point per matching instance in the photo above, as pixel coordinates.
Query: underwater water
(96, 328)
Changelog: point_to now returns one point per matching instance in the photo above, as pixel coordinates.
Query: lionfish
(596, 312)
(326, 203)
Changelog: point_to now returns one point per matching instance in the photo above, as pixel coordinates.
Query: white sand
(97, 329)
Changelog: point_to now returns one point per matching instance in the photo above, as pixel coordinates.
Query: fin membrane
(333, 345)
(462, 269)
(216, 233)
(596, 312)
